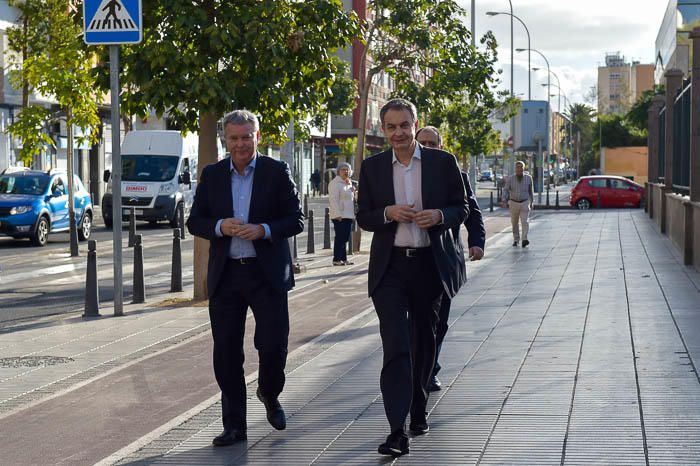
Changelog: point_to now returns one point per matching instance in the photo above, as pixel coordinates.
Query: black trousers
(342, 228)
(407, 301)
(243, 286)
(441, 329)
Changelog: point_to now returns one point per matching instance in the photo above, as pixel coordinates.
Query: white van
(159, 170)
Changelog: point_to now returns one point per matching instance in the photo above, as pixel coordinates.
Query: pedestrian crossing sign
(112, 22)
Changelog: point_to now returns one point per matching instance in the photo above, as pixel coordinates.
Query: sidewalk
(579, 350)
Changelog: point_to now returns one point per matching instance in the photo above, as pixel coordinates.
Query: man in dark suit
(247, 206)
(411, 198)
(429, 136)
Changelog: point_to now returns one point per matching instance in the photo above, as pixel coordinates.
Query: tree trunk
(323, 156)
(362, 124)
(207, 155)
(73, 233)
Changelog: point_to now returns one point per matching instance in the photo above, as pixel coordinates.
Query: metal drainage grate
(33, 361)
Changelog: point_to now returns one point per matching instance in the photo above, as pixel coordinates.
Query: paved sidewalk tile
(581, 349)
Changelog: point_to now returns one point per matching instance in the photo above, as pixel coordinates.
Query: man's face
(399, 129)
(428, 138)
(519, 170)
(241, 142)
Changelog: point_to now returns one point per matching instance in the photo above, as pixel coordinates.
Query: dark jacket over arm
(474, 222)
(274, 201)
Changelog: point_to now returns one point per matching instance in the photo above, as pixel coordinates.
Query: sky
(574, 35)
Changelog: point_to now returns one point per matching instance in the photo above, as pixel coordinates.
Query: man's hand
(532, 205)
(251, 232)
(476, 253)
(230, 226)
(401, 213)
(504, 204)
(428, 218)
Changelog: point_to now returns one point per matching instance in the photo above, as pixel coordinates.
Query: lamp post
(535, 69)
(496, 13)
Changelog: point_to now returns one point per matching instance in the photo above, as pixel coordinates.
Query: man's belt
(244, 260)
(410, 252)
(520, 202)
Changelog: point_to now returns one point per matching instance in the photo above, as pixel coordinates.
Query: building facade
(620, 83)
(673, 45)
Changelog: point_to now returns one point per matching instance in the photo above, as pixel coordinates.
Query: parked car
(35, 203)
(609, 190)
(486, 175)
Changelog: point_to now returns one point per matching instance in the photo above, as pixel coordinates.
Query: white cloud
(574, 35)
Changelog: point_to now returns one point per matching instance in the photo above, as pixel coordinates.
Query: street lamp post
(534, 69)
(495, 13)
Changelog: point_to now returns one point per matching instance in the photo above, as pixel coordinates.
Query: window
(58, 186)
(597, 183)
(619, 184)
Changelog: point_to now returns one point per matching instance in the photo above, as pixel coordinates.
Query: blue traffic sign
(112, 22)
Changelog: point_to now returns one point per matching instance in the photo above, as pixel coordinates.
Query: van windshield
(148, 167)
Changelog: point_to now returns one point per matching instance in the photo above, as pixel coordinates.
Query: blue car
(35, 203)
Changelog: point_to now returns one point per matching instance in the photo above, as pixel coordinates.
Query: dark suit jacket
(274, 200)
(441, 188)
(474, 222)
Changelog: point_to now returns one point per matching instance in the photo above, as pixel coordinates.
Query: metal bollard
(181, 221)
(598, 204)
(92, 292)
(176, 270)
(139, 294)
(310, 248)
(327, 229)
(547, 196)
(306, 205)
(132, 227)
(491, 204)
(557, 201)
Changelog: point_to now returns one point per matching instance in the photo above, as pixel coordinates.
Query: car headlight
(167, 188)
(23, 209)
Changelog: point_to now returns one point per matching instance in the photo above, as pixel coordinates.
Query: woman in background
(341, 195)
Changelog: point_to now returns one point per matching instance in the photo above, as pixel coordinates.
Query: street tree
(341, 101)
(408, 38)
(584, 127)
(200, 59)
(54, 62)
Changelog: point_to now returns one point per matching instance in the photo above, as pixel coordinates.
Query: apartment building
(620, 83)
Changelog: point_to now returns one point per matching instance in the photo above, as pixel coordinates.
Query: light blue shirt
(241, 192)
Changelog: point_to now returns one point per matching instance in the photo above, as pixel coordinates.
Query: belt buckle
(410, 252)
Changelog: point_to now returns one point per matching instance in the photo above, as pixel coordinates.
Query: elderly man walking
(518, 195)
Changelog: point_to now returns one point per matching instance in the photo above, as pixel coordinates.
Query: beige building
(621, 83)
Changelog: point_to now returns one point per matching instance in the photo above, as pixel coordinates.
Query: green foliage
(348, 147)
(457, 92)
(211, 56)
(342, 97)
(55, 63)
(29, 128)
(638, 115)
(616, 131)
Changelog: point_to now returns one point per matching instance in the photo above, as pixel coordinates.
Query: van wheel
(41, 233)
(85, 227)
(175, 221)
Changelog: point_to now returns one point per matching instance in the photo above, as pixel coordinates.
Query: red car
(609, 190)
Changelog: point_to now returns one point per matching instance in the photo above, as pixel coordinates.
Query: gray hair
(398, 104)
(342, 165)
(242, 117)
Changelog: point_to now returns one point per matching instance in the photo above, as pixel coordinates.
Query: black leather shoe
(229, 437)
(515, 244)
(396, 444)
(419, 425)
(525, 243)
(275, 413)
(434, 385)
